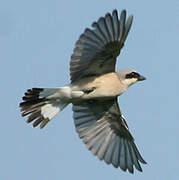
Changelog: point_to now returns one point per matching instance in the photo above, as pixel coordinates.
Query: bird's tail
(42, 104)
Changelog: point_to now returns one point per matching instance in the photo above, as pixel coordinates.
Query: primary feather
(96, 50)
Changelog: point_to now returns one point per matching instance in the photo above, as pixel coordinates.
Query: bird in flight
(93, 92)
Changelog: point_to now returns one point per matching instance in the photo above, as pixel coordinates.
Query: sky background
(36, 42)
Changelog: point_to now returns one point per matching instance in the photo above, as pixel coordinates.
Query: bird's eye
(132, 75)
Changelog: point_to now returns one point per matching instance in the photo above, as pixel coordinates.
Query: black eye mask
(132, 75)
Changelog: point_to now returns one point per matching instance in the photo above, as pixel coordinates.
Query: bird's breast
(104, 86)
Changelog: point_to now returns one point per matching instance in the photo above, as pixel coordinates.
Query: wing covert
(96, 50)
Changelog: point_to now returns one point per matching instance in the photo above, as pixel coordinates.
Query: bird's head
(129, 77)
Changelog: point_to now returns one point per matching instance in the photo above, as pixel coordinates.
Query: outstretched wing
(96, 50)
(103, 129)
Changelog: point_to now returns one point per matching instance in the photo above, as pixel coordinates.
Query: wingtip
(131, 170)
(144, 162)
(131, 17)
(114, 11)
(123, 12)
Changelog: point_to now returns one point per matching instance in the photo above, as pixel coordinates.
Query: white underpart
(48, 92)
(57, 100)
(50, 111)
(129, 82)
(63, 93)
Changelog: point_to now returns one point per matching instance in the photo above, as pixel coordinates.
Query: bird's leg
(89, 90)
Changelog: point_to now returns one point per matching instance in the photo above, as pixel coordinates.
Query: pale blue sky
(36, 42)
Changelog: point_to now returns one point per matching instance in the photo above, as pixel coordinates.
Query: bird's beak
(141, 78)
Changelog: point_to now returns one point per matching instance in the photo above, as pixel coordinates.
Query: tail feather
(41, 108)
